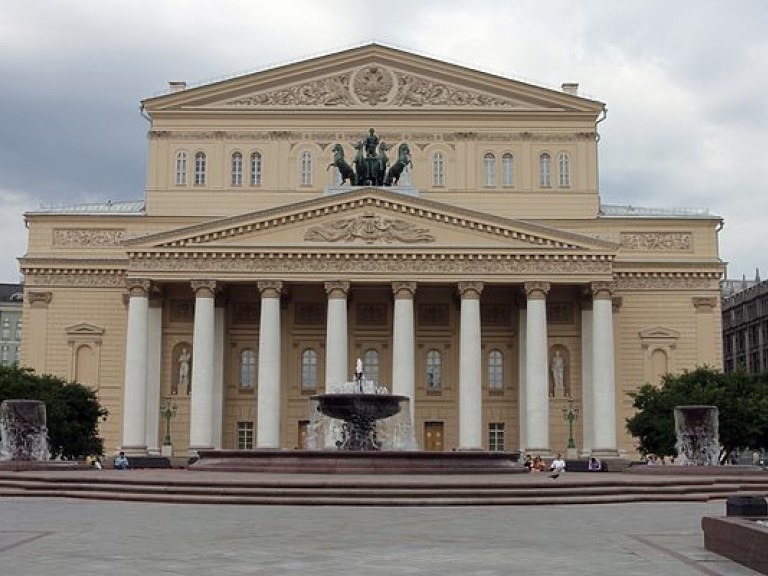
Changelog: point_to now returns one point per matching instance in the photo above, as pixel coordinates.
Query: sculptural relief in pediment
(370, 228)
(373, 85)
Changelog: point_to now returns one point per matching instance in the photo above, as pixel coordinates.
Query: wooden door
(433, 436)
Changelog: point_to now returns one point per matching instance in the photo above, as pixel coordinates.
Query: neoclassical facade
(490, 284)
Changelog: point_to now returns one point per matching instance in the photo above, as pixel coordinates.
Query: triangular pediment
(367, 78)
(371, 219)
(659, 333)
(84, 329)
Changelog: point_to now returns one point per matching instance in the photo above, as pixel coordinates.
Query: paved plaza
(41, 536)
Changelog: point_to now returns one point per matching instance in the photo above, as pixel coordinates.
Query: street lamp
(570, 413)
(168, 410)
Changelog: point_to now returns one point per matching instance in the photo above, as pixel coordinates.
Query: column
(34, 344)
(404, 344)
(536, 368)
(268, 408)
(707, 352)
(154, 349)
(603, 371)
(218, 369)
(201, 401)
(337, 370)
(470, 368)
(135, 388)
(522, 330)
(587, 411)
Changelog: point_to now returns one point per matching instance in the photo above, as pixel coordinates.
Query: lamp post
(168, 410)
(570, 413)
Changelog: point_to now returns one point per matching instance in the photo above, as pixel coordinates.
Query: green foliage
(72, 410)
(742, 401)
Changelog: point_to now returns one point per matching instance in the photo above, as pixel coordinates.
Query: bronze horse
(345, 170)
(383, 163)
(403, 160)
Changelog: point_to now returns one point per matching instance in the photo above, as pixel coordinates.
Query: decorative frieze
(88, 237)
(77, 279)
(419, 91)
(370, 228)
(373, 84)
(329, 91)
(657, 241)
(668, 281)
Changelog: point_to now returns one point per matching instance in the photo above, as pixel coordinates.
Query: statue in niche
(558, 373)
(183, 379)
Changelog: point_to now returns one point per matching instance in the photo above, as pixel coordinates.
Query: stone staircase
(188, 487)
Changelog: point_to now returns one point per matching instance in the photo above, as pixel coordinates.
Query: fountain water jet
(23, 431)
(697, 430)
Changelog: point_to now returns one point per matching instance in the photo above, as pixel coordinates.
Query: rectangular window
(496, 436)
(245, 435)
(18, 330)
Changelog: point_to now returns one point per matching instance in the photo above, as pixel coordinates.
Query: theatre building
(467, 259)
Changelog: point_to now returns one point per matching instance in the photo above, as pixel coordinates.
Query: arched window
(200, 169)
(247, 369)
(564, 170)
(371, 365)
(256, 169)
(495, 370)
(508, 170)
(545, 170)
(237, 169)
(434, 370)
(438, 169)
(489, 162)
(309, 369)
(306, 168)
(181, 169)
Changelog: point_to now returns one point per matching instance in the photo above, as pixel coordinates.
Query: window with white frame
(495, 370)
(496, 437)
(434, 370)
(6, 329)
(306, 168)
(18, 355)
(508, 169)
(237, 169)
(309, 369)
(371, 365)
(247, 369)
(438, 169)
(489, 163)
(181, 168)
(245, 435)
(200, 163)
(6, 352)
(564, 169)
(256, 169)
(545, 170)
(18, 330)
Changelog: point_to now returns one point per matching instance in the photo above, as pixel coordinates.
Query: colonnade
(598, 370)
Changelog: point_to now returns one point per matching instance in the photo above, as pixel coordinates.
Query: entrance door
(301, 440)
(433, 436)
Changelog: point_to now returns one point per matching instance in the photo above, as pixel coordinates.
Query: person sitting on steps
(557, 467)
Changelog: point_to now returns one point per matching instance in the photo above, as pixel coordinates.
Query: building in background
(10, 323)
(745, 325)
(491, 284)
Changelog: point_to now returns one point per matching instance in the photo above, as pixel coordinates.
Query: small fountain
(360, 416)
(698, 440)
(23, 430)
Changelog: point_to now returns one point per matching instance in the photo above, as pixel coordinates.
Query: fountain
(358, 427)
(23, 430)
(698, 441)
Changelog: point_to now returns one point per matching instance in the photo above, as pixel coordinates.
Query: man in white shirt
(557, 467)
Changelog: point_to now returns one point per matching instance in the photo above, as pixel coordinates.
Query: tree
(741, 399)
(72, 410)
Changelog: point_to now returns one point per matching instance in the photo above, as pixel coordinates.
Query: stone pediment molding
(371, 216)
(84, 330)
(369, 78)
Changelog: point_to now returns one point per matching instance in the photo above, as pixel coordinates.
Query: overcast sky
(685, 83)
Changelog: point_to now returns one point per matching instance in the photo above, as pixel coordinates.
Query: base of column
(192, 450)
(134, 450)
(543, 452)
(605, 453)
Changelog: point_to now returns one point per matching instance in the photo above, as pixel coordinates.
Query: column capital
(138, 287)
(336, 289)
(602, 290)
(203, 288)
(536, 290)
(38, 299)
(470, 290)
(270, 288)
(404, 290)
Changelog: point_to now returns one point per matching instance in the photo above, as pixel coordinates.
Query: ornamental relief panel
(372, 85)
(665, 283)
(77, 280)
(370, 228)
(86, 237)
(657, 241)
(284, 266)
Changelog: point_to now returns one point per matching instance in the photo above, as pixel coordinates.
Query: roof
(11, 293)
